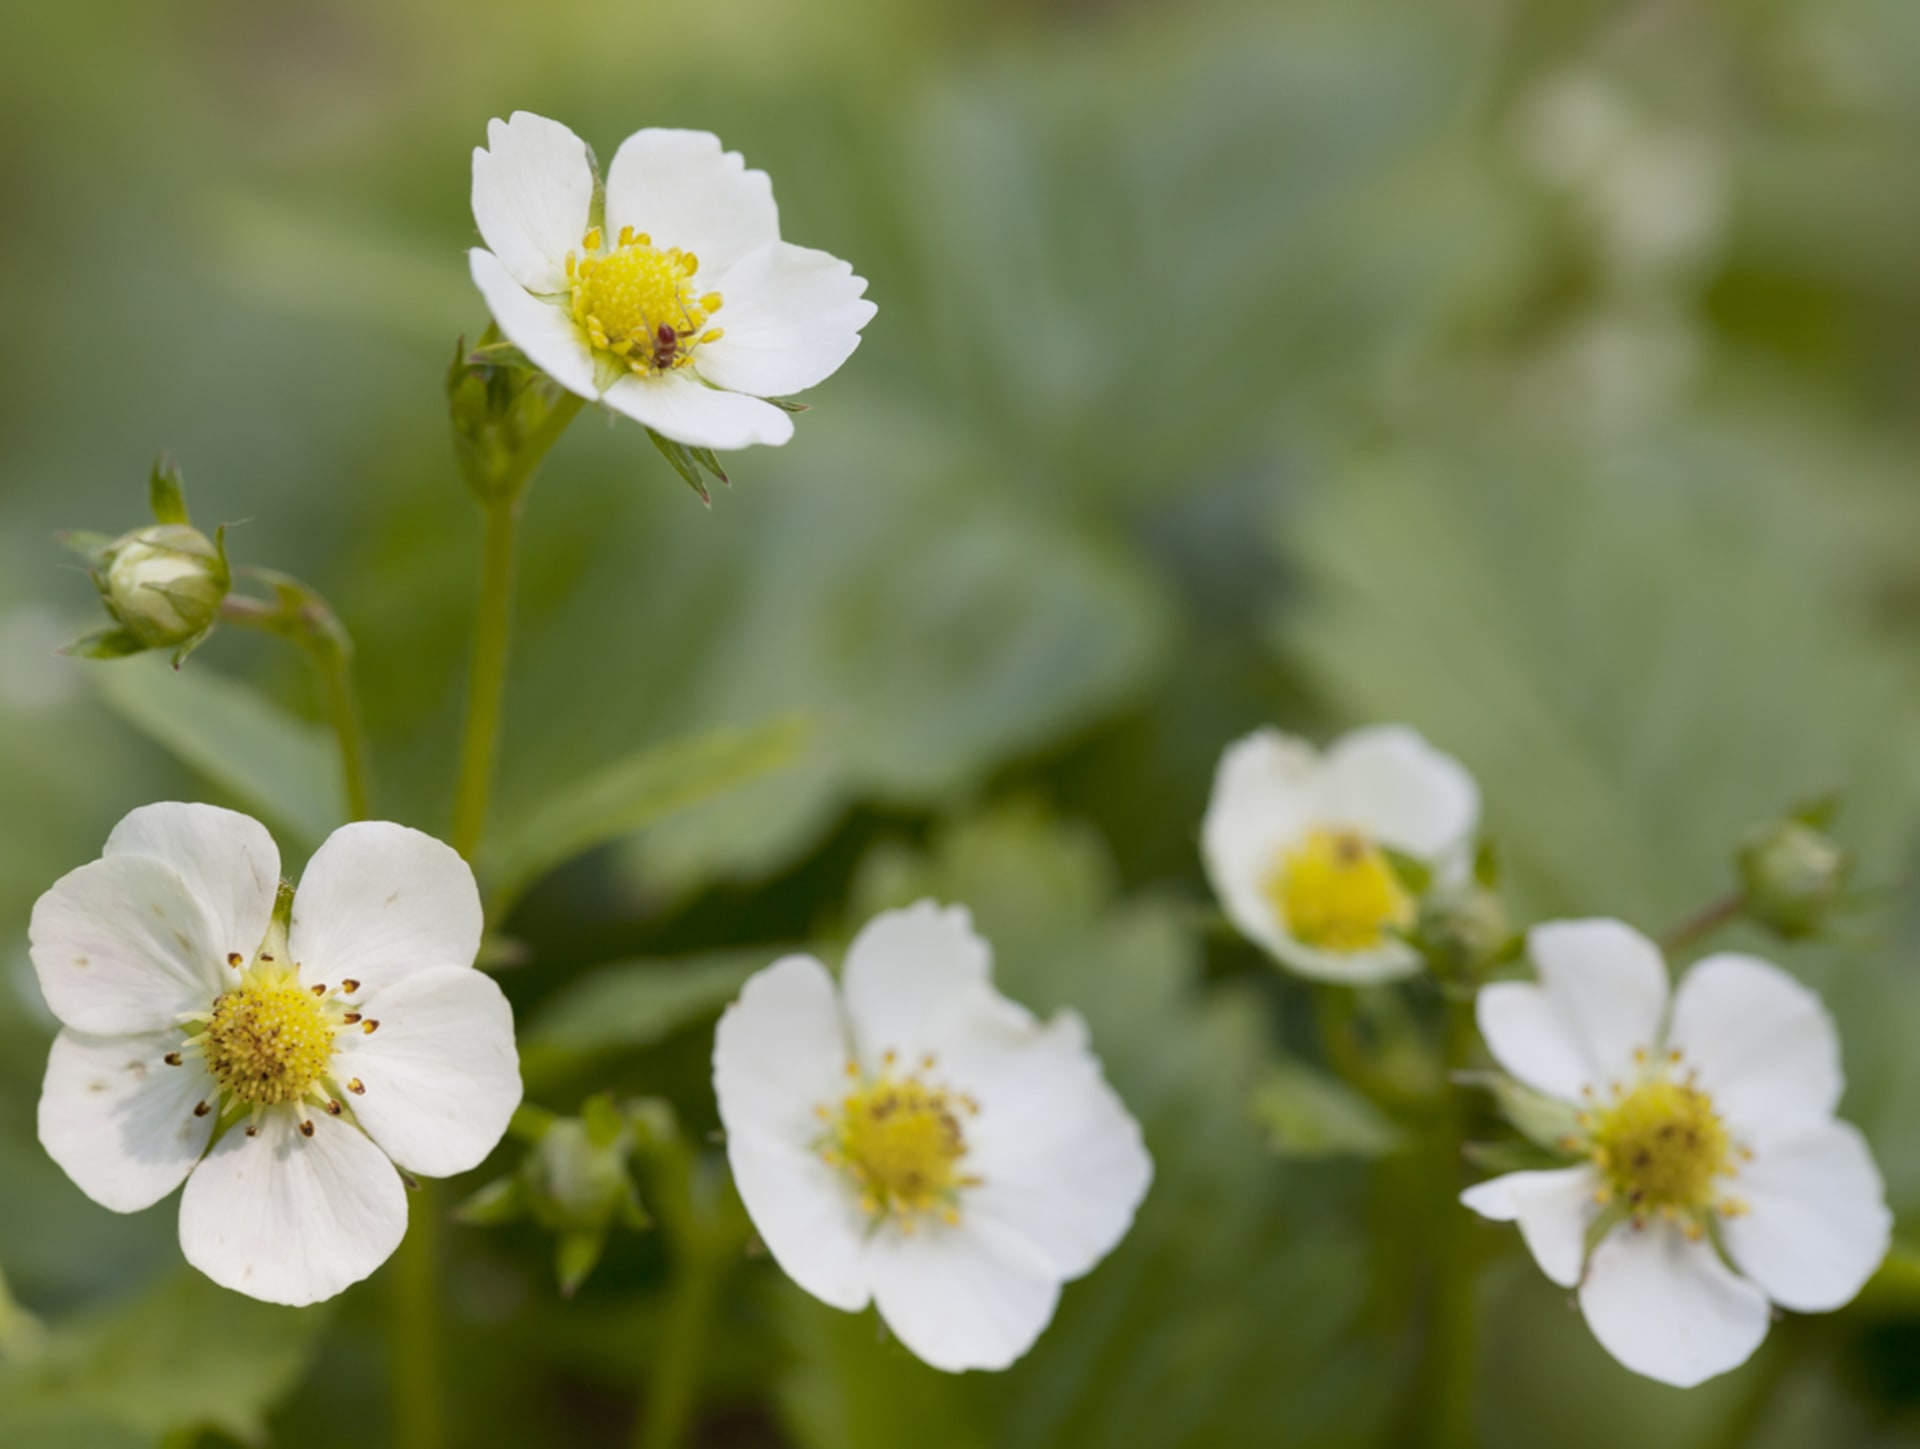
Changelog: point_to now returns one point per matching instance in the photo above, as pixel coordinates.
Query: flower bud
(1464, 931)
(165, 584)
(1794, 876)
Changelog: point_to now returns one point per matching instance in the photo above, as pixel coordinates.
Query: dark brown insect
(666, 346)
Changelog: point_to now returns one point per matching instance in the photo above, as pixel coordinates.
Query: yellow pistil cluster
(269, 1041)
(1662, 1147)
(899, 1139)
(1337, 891)
(639, 302)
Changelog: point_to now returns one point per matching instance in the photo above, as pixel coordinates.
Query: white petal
(292, 1219)
(1390, 782)
(1669, 1308)
(228, 861)
(119, 1120)
(122, 946)
(679, 406)
(792, 316)
(544, 330)
(680, 188)
(906, 971)
(1553, 1209)
(1818, 1224)
(778, 1053)
(532, 190)
(378, 902)
(1602, 992)
(441, 1074)
(958, 1300)
(1764, 1046)
(1062, 1163)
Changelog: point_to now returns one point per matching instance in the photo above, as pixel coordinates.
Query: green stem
(493, 628)
(419, 1416)
(1703, 923)
(704, 1227)
(1447, 1416)
(299, 615)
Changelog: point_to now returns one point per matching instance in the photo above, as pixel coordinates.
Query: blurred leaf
(272, 764)
(633, 793)
(185, 1354)
(1306, 1113)
(635, 1004)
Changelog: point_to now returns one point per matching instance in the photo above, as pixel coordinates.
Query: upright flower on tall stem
(680, 306)
(285, 1055)
(1711, 1180)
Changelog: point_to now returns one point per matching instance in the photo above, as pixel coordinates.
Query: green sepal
(786, 406)
(1500, 1158)
(1605, 1221)
(92, 547)
(1545, 1121)
(500, 1201)
(1415, 876)
(166, 494)
(603, 1120)
(107, 644)
(704, 457)
(575, 1256)
(1486, 866)
(1819, 812)
(597, 205)
(684, 463)
(187, 647)
(500, 354)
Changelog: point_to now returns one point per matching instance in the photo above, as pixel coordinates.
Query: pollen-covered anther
(899, 1141)
(637, 302)
(357, 1087)
(1336, 891)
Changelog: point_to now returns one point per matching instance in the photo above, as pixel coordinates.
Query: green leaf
(631, 794)
(145, 1366)
(635, 1004)
(166, 493)
(575, 1255)
(279, 767)
(1306, 1113)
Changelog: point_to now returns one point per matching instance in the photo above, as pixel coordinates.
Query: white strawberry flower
(1716, 1181)
(682, 308)
(1296, 843)
(914, 1139)
(285, 1069)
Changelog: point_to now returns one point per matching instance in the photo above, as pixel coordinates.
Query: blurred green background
(1543, 376)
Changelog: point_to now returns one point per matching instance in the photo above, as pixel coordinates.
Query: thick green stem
(493, 629)
(1446, 1419)
(419, 1413)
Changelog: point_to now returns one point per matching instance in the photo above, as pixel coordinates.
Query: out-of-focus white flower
(1716, 1181)
(916, 1139)
(310, 1054)
(1296, 844)
(683, 308)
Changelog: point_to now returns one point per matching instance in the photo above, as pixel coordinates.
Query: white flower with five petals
(1297, 845)
(915, 1139)
(682, 308)
(1716, 1181)
(285, 1069)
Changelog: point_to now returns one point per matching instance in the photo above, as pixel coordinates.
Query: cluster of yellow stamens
(639, 302)
(269, 1041)
(1661, 1147)
(900, 1141)
(1337, 891)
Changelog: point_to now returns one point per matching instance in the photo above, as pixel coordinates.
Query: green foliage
(1306, 1113)
(134, 1374)
(633, 1004)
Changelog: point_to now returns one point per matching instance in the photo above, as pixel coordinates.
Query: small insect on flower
(1301, 846)
(218, 1030)
(1711, 1180)
(914, 1139)
(626, 313)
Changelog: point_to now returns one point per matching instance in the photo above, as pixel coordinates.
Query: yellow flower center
(269, 1041)
(900, 1141)
(1662, 1147)
(639, 303)
(1337, 891)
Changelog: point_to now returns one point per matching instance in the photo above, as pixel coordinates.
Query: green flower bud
(1794, 876)
(165, 584)
(1464, 932)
